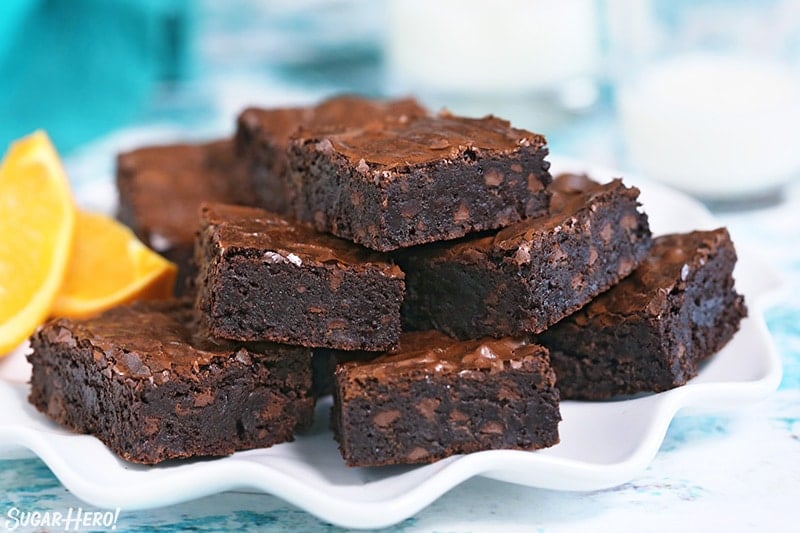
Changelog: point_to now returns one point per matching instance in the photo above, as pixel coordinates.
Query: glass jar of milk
(532, 61)
(708, 93)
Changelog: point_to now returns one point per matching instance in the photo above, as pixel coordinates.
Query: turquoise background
(83, 67)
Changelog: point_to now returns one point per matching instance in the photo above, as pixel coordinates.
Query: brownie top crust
(424, 139)
(669, 264)
(283, 241)
(199, 171)
(337, 112)
(572, 193)
(156, 341)
(434, 352)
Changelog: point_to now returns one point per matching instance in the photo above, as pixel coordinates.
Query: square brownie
(263, 277)
(528, 276)
(434, 396)
(263, 135)
(395, 184)
(649, 333)
(160, 190)
(143, 381)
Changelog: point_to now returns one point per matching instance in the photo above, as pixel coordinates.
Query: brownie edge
(528, 276)
(144, 382)
(263, 277)
(395, 184)
(650, 332)
(433, 397)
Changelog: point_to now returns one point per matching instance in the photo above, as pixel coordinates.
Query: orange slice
(110, 266)
(37, 222)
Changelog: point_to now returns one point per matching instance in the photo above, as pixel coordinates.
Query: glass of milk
(708, 94)
(533, 61)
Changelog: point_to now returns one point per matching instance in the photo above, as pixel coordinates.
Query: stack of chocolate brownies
(425, 269)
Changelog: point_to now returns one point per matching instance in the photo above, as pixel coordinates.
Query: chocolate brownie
(323, 365)
(143, 381)
(263, 135)
(160, 190)
(263, 277)
(434, 397)
(528, 276)
(395, 184)
(650, 332)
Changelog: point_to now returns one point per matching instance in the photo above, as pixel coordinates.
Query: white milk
(716, 126)
(499, 47)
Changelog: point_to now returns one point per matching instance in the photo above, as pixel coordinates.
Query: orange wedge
(37, 222)
(110, 266)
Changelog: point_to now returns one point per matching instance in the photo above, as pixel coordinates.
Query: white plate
(602, 444)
